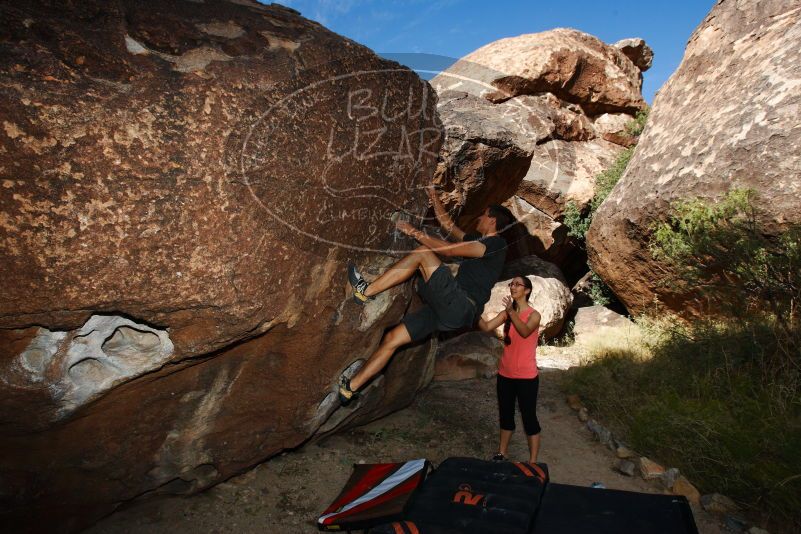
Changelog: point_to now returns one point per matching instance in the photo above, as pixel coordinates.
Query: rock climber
(450, 302)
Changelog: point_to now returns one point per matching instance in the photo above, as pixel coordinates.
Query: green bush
(718, 398)
(599, 292)
(636, 126)
(707, 403)
(719, 252)
(578, 223)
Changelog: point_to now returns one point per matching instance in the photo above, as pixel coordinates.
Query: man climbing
(451, 302)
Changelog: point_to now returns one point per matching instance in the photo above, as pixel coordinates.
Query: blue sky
(454, 28)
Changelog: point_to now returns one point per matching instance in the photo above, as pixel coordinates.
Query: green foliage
(719, 399)
(708, 402)
(599, 292)
(606, 181)
(637, 125)
(578, 223)
(719, 251)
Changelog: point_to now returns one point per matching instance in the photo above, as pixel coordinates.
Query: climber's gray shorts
(447, 306)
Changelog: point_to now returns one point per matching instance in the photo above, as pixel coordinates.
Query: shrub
(718, 251)
(704, 400)
(577, 222)
(718, 398)
(636, 126)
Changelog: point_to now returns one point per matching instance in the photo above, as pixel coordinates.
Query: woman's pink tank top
(519, 358)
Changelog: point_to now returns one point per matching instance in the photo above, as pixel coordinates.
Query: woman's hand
(508, 303)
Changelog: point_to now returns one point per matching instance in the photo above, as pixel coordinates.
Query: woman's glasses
(516, 284)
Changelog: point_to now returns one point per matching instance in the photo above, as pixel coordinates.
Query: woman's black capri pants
(524, 390)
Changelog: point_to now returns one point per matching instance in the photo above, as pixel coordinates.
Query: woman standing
(518, 378)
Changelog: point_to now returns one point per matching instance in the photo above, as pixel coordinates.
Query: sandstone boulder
(563, 172)
(637, 51)
(487, 150)
(574, 66)
(539, 146)
(182, 187)
(592, 322)
(550, 295)
(707, 134)
(467, 356)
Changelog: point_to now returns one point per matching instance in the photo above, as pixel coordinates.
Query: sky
(454, 28)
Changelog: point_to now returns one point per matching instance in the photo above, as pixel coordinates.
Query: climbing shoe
(499, 457)
(359, 284)
(346, 395)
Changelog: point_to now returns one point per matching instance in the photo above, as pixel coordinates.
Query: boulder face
(637, 51)
(468, 356)
(550, 295)
(529, 120)
(182, 187)
(705, 136)
(574, 66)
(487, 151)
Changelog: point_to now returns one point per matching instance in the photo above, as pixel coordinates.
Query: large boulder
(487, 150)
(574, 66)
(182, 186)
(726, 119)
(467, 356)
(550, 295)
(543, 142)
(563, 172)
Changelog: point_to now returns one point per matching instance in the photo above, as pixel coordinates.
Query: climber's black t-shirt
(477, 275)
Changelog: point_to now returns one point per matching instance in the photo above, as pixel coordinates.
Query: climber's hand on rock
(405, 227)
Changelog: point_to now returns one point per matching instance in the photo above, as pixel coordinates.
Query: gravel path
(287, 493)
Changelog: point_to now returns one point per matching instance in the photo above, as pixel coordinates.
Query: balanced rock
(182, 186)
(574, 66)
(705, 136)
(550, 295)
(637, 51)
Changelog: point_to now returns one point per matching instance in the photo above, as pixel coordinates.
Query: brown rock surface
(550, 295)
(574, 66)
(726, 118)
(563, 172)
(637, 51)
(487, 150)
(467, 356)
(176, 215)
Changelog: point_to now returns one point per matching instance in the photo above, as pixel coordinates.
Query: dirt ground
(287, 493)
